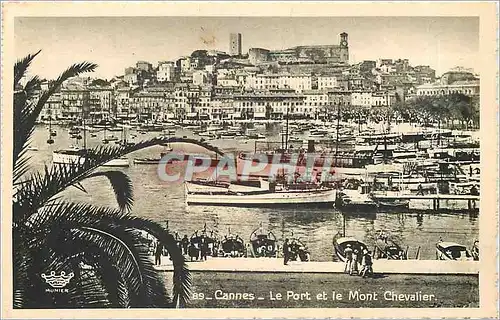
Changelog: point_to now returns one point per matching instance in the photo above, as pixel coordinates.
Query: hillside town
(303, 82)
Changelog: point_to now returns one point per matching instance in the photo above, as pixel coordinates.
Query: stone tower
(344, 47)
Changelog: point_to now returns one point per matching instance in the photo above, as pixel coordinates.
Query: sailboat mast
(84, 129)
(337, 138)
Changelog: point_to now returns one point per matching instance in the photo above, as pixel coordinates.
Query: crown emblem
(57, 281)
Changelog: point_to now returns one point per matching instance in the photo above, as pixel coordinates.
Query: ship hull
(265, 199)
(63, 158)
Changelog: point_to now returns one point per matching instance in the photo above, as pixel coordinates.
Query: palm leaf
(21, 66)
(122, 187)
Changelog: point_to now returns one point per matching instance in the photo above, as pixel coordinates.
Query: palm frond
(21, 66)
(85, 218)
(122, 187)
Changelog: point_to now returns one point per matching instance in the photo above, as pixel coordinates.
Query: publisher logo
(57, 282)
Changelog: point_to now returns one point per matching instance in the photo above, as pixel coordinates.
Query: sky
(115, 43)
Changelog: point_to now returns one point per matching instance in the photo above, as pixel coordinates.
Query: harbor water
(164, 203)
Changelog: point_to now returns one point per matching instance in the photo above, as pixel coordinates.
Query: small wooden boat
(388, 248)
(394, 204)
(232, 246)
(452, 251)
(263, 244)
(340, 244)
(203, 243)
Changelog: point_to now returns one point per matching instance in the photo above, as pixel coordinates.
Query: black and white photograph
(233, 161)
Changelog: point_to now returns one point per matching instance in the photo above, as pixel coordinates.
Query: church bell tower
(344, 48)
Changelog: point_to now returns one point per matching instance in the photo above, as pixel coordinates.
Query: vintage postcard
(249, 160)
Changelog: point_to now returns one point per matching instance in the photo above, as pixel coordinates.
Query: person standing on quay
(286, 252)
(354, 265)
(348, 259)
(158, 253)
(367, 264)
(203, 248)
(184, 244)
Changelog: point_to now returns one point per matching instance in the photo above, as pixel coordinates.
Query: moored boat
(232, 246)
(387, 248)
(261, 197)
(452, 251)
(394, 204)
(202, 244)
(71, 155)
(147, 160)
(263, 243)
(340, 243)
(119, 162)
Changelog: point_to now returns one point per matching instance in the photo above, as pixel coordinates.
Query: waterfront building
(122, 99)
(373, 99)
(315, 103)
(339, 96)
(361, 98)
(221, 107)
(295, 82)
(101, 102)
(74, 101)
(468, 88)
(278, 81)
(266, 104)
(52, 109)
(235, 44)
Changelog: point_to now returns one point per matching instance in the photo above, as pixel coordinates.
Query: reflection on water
(162, 202)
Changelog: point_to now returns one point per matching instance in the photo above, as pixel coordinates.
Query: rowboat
(452, 251)
(202, 244)
(232, 246)
(340, 243)
(263, 243)
(388, 248)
